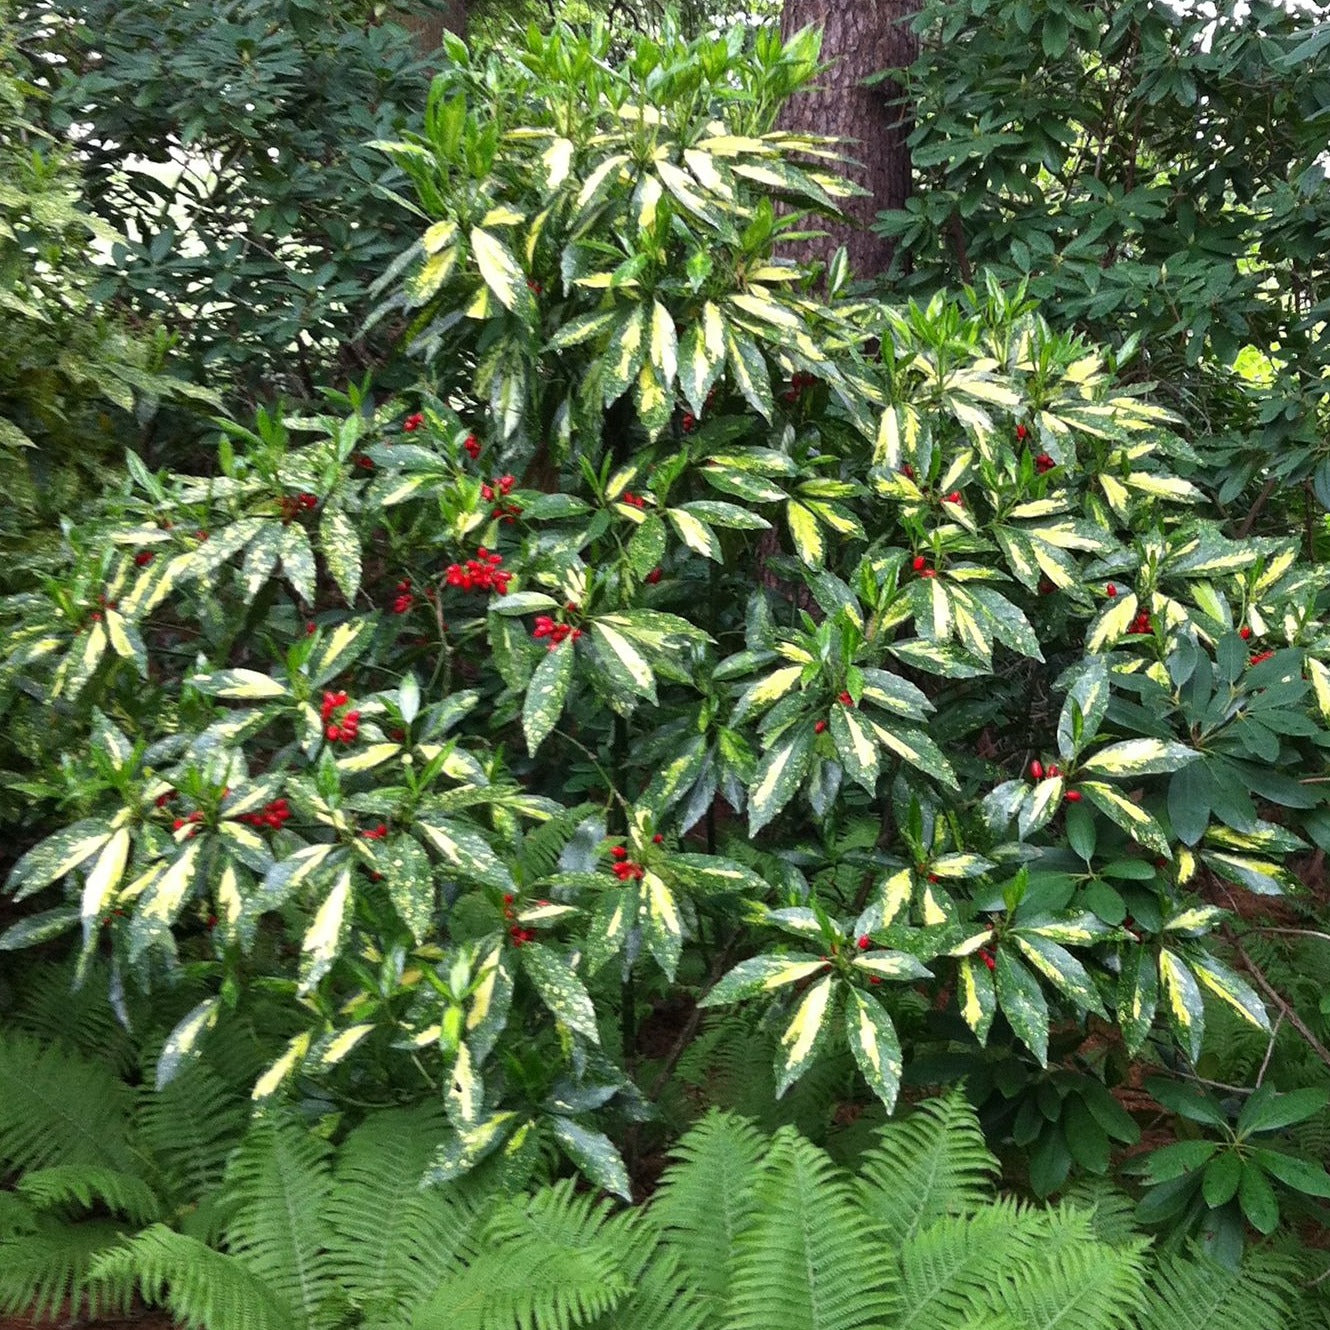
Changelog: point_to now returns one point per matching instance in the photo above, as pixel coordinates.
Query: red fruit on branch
(1036, 770)
(619, 852)
(1054, 772)
(1073, 796)
(1110, 591)
(1022, 433)
(1260, 656)
(989, 959)
(1245, 633)
(1044, 463)
(413, 422)
(864, 942)
(955, 497)
(472, 446)
(845, 700)
(143, 558)
(654, 576)
(918, 563)
(820, 727)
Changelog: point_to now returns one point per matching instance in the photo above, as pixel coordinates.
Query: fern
(390, 1243)
(664, 1295)
(57, 1107)
(807, 1261)
(1198, 1294)
(947, 1272)
(708, 1197)
(191, 1126)
(56, 1008)
(1080, 1284)
(932, 1164)
(202, 1288)
(1112, 1212)
(80, 1186)
(281, 1179)
(544, 1261)
(44, 1273)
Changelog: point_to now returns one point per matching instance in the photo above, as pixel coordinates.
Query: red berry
(989, 959)
(845, 700)
(1260, 656)
(929, 572)
(1044, 463)
(177, 824)
(143, 558)
(619, 852)
(918, 563)
(1022, 433)
(333, 733)
(907, 471)
(472, 445)
(1110, 591)
(820, 727)
(1054, 772)
(689, 422)
(1073, 796)
(1245, 634)
(955, 497)
(874, 979)
(413, 422)
(311, 629)
(658, 839)
(1036, 770)
(864, 942)
(1046, 587)
(654, 576)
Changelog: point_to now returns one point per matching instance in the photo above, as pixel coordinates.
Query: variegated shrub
(699, 629)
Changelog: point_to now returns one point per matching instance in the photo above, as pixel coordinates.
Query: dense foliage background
(744, 777)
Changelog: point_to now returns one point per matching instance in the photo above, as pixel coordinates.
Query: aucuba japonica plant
(691, 632)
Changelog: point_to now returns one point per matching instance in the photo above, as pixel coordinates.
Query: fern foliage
(931, 1164)
(46, 1273)
(1193, 1293)
(540, 1263)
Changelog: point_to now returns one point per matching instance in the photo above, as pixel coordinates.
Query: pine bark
(861, 37)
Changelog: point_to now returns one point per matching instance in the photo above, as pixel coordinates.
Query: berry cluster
(292, 505)
(1044, 463)
(405, 600)
(143, 558)
(274, 815)
(989, 959)
(800, 380)
(1142, 623)
(193, 818)
(1038, 771)
(413, 422)
(556, 632)
(920, 566)
(502, 486)
(1260, 656)
(479, 574)
(689, 422)
(341, 728)
(518, 934)
(632, 500)
(1022, 433)
(954, 497)
(472, 446)
(623, 867)
(375, 833)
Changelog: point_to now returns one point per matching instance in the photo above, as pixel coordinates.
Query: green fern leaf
(544, 1262)
(1198, 1294)
(949, 1269)
(203, 1289)
(281, 1180)
(57, 1107)
(663, 1295)
(81, 1186)
(808, 1261)
(932, 1164)
(390, 1242)
(708, 1197)
(44, 1274)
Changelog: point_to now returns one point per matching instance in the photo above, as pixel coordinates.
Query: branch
(1285, 1009)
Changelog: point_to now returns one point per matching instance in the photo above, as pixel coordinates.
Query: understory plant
(694, 637)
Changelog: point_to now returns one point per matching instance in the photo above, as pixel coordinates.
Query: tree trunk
(862, 37)
(428, 24)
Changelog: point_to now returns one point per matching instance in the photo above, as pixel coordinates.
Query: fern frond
(1195, 1293)
(57, 1107)
(390, 1243)
(931, 1164)
(664, 1296)
(190, 1127)
(708, 1196)
(81, 1186)
(55, 1009)
(202, 1288)
(539, 850)
(1081, 1284)
(1112, 1212)
(281, 1180)
(544, 1262)
(947, 1271)
(44, 1274)
(808, 1260)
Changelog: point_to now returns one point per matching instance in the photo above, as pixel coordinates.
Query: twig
(1256, 509)
(1265, 1061)
(1278, 999)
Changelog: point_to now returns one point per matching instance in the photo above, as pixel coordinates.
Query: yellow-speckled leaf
(1230, 989)
(183, 1043)
(1129, 816)
(761, 974)
(808, 542)
(661, 923)
(977, 997)
(560, 989)
(464, 1092)
(1182, 999)
(803, 1036)
(875, 1045)
(664, 345)
(334, 1048)
(105, 875)
(1113, 622)
(897, 892)
(500, 269)
(271, 1081)
(323, 940)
